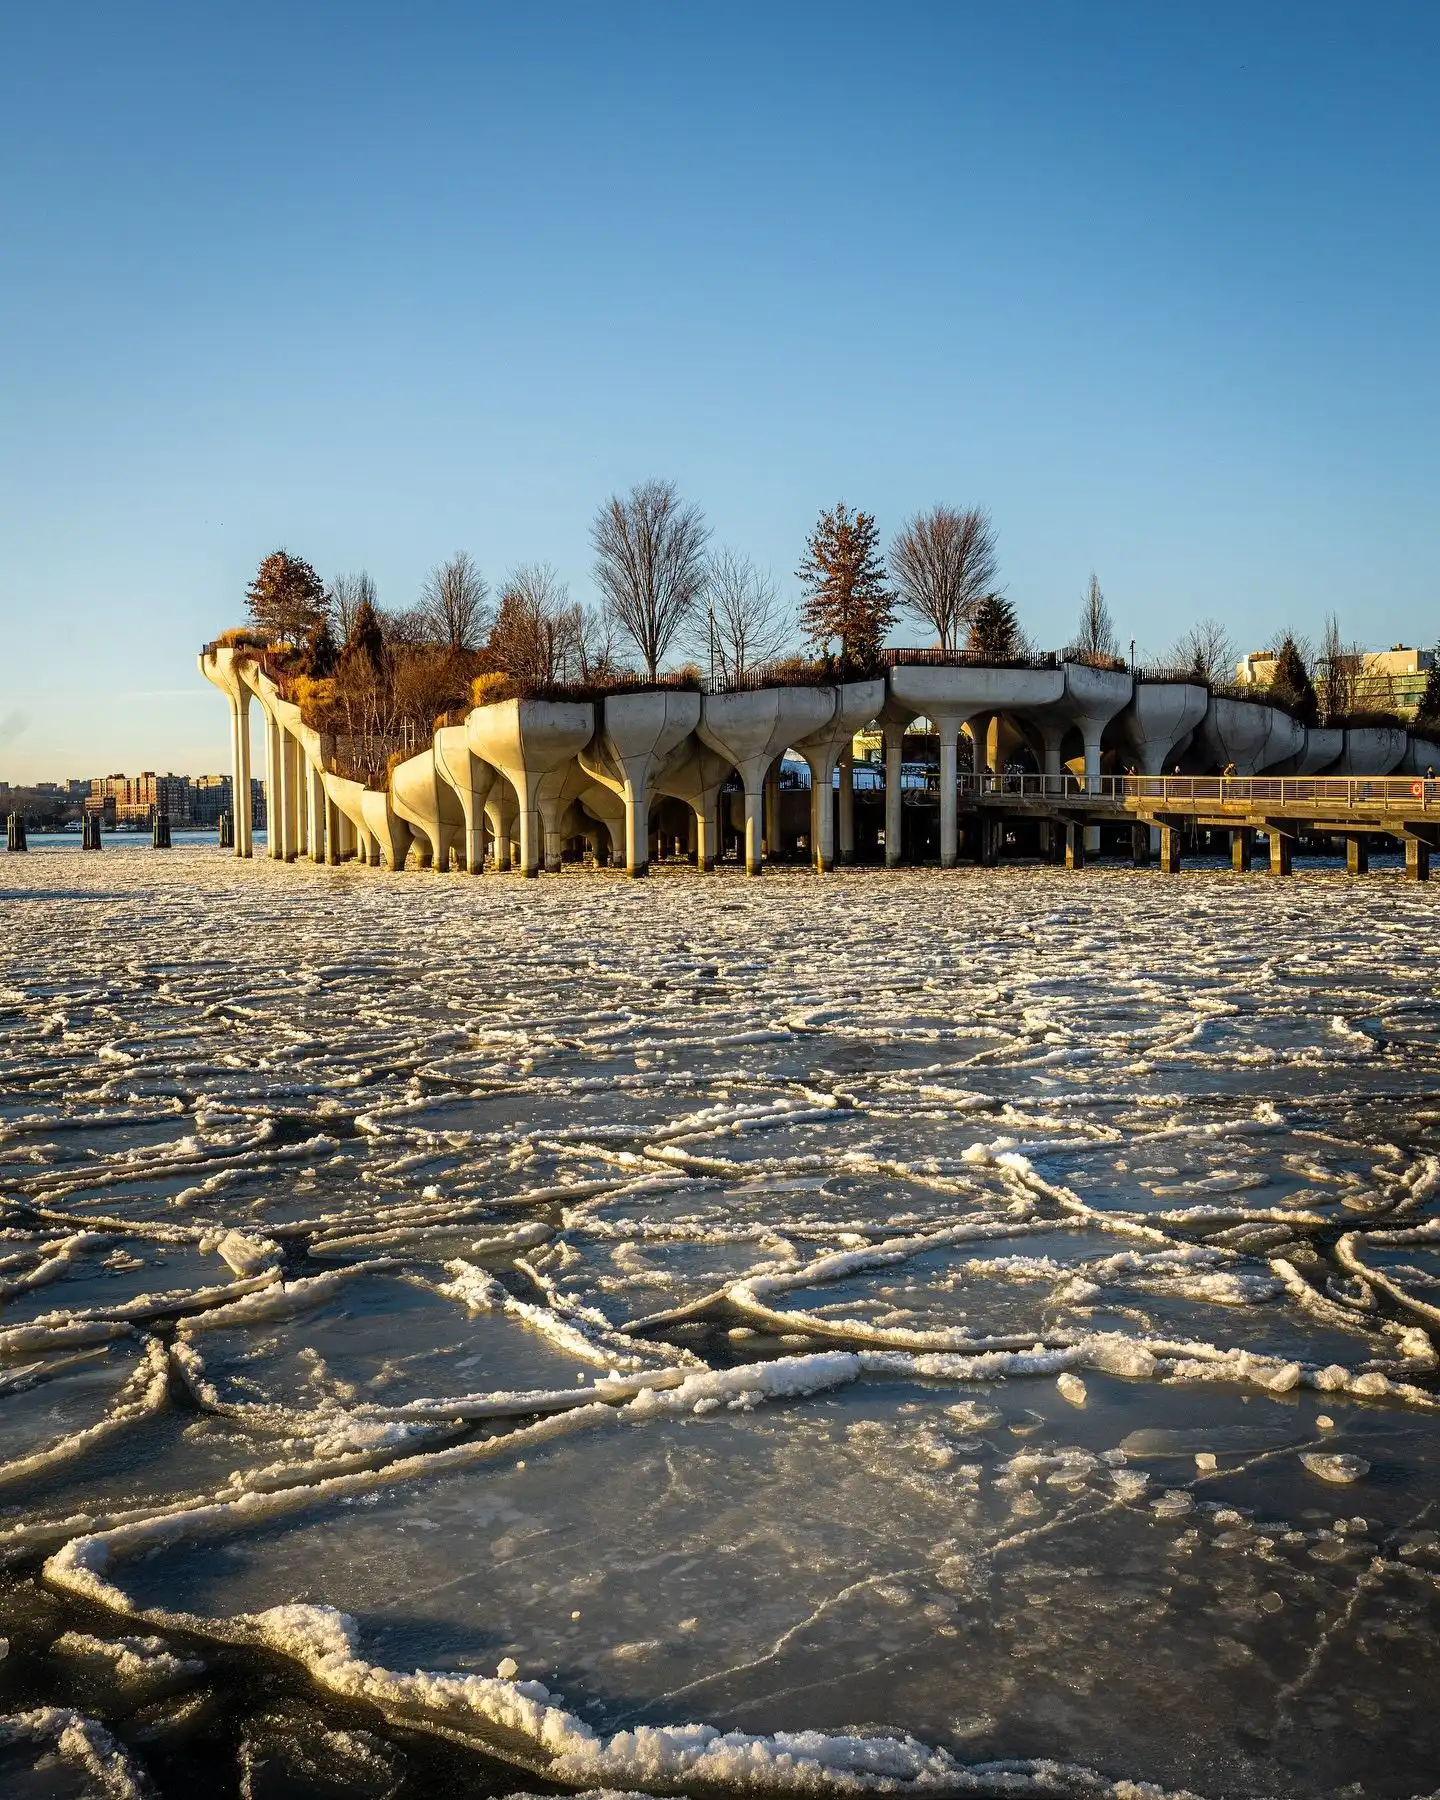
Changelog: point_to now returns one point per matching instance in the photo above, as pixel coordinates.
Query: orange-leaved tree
(848, 600)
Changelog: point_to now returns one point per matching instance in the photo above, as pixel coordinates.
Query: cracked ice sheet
(382, 1341)
(971, 1570)
(1210, 1070)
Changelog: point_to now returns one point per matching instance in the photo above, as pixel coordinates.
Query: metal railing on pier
(1393, 793)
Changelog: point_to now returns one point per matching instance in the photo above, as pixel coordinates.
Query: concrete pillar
(772, 811)
(1242, 849)
(1140, 846)
(333, 850)
(1074, 845)
(302, 802)
(980, 743)
(1417, 859)
(1170, 849)
(289, 796)
(532, 842)
(1357, 856)
(822, 817)
(315, 812)
(846, 847)
(754, 827)
(274, 828)
(707, 838)
(692, 836)
(637, 835)
(1282, 848)
(240, 771)
(1092, 786)
(949, 792)
(894, 736)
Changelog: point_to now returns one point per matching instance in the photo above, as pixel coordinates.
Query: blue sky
(1157, 285)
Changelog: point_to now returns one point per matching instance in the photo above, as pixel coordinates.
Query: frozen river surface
(962, 1333)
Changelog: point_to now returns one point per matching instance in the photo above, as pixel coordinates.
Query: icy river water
(942, 1333)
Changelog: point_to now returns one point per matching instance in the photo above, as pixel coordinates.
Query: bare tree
(1095, 642)
(348, 593)
(410, 626)
(745, 622)
(650, 565)
(944, 562)
(453, 604)
(1206, 652)
(1337, 672)
(539, 635)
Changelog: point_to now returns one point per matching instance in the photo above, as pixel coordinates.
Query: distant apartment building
(1390, 680)
(209, 797)
(135, 799)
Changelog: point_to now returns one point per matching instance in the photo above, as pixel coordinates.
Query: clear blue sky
(1156, 284)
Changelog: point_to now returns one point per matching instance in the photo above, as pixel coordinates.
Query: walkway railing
(1397, 793)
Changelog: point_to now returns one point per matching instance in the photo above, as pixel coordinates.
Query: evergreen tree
(995, 631)
(287, 598)
(366, 642)
(1429, 710)
(1291, 684)
(319, 653)
(847, 596)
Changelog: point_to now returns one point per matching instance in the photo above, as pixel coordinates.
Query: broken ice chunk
(1337, 1467)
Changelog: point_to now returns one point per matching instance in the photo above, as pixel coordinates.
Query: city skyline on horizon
(1156, 291)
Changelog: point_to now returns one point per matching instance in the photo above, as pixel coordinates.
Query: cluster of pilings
(525, 783)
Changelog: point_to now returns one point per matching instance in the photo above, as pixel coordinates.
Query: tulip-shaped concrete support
(430, 806)
(528, 741)
(953, 697)
(472, 779)
(638, 737)
(697, 779)
(1247, 735)
(856, 704)
(273, 846)
(349, 798)
(1159, 721)
(1422, 757)
(226, 669)
(1371, 750)
(895, 721)
(750, 730)
(1323, 747)
(391, 834)
(502, 815)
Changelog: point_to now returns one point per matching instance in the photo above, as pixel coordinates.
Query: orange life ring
(1417, 788)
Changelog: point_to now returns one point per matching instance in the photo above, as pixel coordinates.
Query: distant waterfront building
(210, 796)
(1390, 680)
